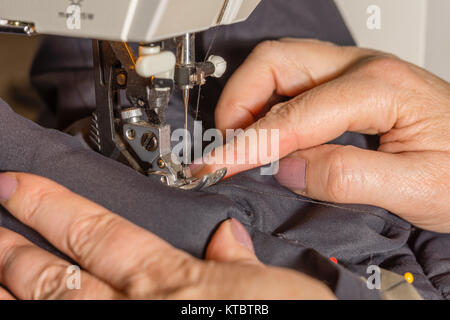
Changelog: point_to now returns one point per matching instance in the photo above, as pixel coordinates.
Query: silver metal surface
(18, 27)
(206, 181)
(125, 20)
(137, 133)
(132, 115)
(134, 133)
(186, 49)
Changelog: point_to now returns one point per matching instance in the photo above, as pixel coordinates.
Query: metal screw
(163, 179)
(193, 78)
(161, 164)
(121, 79)
(131, 134)
(149, 141)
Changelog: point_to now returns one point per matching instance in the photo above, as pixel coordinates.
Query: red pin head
(333, 259)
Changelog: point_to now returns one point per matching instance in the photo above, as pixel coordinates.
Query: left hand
(123, 261)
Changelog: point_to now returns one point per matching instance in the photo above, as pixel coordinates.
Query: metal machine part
(135, 131)
(19, 27)
(125, 20)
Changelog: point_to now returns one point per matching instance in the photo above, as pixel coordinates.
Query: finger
(288, 68)
(32, 273)
(355, 102)
(5, 295)
(341, 174)
(101, 242)
(396, 182)
(231, 243)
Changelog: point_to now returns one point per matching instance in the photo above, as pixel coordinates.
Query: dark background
(16, 54)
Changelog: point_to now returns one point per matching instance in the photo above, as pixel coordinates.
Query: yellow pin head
(409, 277)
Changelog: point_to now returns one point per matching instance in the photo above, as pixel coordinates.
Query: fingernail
(292, 173)
(8, 185)
(241, 235)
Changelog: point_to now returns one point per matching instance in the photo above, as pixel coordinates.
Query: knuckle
(386, 66)
(290, 114)
(289, 117)
(190, 276)
(175, 273)
(266, 47)
(85, 233)
(340, 176)
(50, 283)
(11, 250)
(203, 277)
(284, 110)
(287, 112)
(35, 200)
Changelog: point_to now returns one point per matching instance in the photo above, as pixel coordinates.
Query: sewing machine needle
(186, 110)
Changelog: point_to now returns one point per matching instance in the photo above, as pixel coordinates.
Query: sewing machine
(135, 132)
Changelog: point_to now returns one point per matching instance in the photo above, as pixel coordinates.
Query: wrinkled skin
(338, 89)
(335, 90)
(141, 267)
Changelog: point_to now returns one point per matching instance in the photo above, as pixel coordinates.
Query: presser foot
(206, 181)
(188, 182)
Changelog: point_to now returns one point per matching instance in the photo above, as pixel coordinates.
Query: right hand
(338, 89)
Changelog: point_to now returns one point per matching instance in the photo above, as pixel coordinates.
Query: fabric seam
(318, 203)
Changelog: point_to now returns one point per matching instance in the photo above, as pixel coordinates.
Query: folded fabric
(287, 229)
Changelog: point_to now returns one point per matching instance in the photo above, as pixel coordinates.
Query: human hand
(339, 89)
(120, 260)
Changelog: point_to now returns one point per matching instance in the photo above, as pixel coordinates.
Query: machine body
(133, 91)
(124, 20)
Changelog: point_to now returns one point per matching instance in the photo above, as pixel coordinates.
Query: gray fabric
(432, 253)
(288, 230)
(184, 219)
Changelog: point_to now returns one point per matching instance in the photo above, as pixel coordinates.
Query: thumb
(231, 243)
(346, 174)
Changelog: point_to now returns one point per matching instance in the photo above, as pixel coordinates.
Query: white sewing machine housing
(135, 132)
(125, 20)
